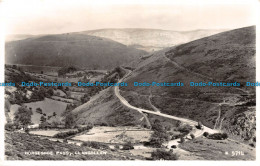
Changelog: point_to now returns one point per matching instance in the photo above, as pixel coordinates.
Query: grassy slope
(228, 56)
(106, 108)
(16, 144)
(70, 49)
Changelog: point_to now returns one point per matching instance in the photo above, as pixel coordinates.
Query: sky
(61, 16)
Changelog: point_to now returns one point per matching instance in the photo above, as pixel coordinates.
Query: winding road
(192, 123)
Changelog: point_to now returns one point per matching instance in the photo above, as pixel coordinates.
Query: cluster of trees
(120, 71)
(18, 77)
(38, 94)
(216, 136)
(66, 69)
(159, 135)
(43, 117)
(70, 120)
(22, 118)
(72, 132)
(161, 154)
(95, 145)
(84, 98)
(128, 146)
(163, 134)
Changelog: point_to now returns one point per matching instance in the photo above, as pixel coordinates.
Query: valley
(131, 122)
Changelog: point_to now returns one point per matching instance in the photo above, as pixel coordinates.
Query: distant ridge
(150, 39)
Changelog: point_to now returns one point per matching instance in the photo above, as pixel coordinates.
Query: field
(48, 106)
(115, 135)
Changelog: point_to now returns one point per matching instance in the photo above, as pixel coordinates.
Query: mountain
(224, 57)
(150, 39)
(70, 49)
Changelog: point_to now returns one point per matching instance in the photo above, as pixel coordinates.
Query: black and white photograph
(129, 80)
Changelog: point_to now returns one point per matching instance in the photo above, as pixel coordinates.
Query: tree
(54, 114)
(69, 121)
(50, 91)
(43, 119)
(128, 146)
(199, 126)
(39, 110)
(67, 88)
(205, 134)
(41, 93)
(23, 116)
(192, 136)
(159, 136)
(224, 135)
(68, 93)
(182, 140)
(157, 126)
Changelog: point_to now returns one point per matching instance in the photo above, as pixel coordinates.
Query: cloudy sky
(61, 16)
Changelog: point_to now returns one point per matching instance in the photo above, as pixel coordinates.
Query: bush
(252, 145)
(69, 120)
(117, 147)
(205, 134)
(157, 139)
(199, 126)
(65, 134)
(9, 127)
(159, 135)
(174, 146)
(81, 129)
(218, 136)
(103, 124)
(184, 129)
(7, 153)
(161, 154)
(26, 130)
(192, 136)
(128, 146)
(95, 145)
(224, 135)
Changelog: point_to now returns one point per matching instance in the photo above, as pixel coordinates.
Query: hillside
(225, 57)
(105, 108)
(17, 144)
(70, 49)
(150, 39)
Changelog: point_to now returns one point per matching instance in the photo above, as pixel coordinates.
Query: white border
(128, 163)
